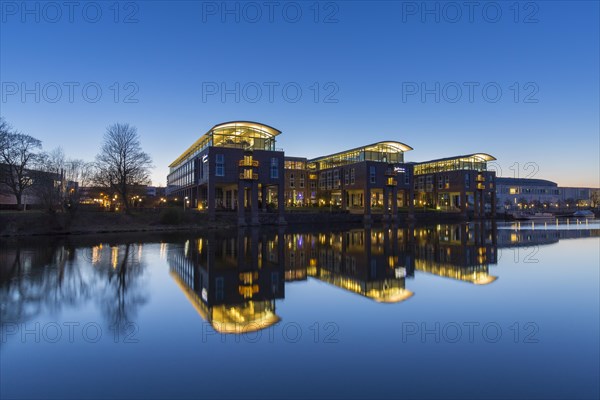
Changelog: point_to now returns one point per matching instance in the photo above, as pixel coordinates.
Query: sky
(517, 80)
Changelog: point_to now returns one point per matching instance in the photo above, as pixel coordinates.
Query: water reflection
(370, 262)
(118, 275)
(231, 281)
(234, 280)
(41, 278)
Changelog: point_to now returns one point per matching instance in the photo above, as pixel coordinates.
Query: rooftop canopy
(477, 161)
(238, 134)
(388, 151)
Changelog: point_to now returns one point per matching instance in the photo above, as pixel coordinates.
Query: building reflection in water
(371, 262)
(232, 282)
(463, 252)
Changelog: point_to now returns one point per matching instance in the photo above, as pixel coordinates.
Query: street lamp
(185, 200)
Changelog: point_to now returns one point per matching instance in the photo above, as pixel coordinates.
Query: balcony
(248, 163)
(248, 291)
(248, 175)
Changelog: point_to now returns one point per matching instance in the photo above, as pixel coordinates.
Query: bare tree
(121, 162)
(49, 182)
(78, 173)
(17, 155)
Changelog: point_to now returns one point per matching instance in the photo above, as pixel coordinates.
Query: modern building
(460, 183)
(234, 166)
(516, 193)
(300, 184)
(363, 179)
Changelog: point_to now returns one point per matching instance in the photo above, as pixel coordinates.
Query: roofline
(184, 154)
(408, 148)
(245, 122)
(501, 179)
(487, 157)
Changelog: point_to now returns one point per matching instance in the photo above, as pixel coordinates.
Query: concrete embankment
(32, 223)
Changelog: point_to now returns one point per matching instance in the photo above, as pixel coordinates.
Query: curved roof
(481, 156)
(484, 280)
(394, 297)
(250, 124)
(260, 321)
(204, 139)
(397, 146)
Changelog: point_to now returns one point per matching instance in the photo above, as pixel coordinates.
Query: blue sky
(520, 82)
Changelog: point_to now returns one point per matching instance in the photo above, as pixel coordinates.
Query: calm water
(466, 310)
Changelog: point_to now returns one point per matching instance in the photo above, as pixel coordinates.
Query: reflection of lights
(96, 254)
(114, 253)
(163, 250)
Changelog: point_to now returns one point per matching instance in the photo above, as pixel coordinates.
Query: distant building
(43, 183)
(515, 193)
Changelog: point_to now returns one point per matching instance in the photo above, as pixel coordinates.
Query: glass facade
(390, 152)
(477, 162)
(242, 135)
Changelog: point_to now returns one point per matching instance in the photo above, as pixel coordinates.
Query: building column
(483, 199)
(254, 248)
(211, 199)
(241, 197)
(476, 204)
(493, 196)
(281, 203)
(344, 200)
(254, 203)
(394, 203)
(411, 201)
(463, 202)
(281, 246)
(263, 196)
(386, 202)
(198, 197)
(367, 205)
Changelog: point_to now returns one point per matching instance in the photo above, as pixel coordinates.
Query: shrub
(171, 216)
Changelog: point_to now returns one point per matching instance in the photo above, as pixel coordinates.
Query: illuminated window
(274, 168)
(220, 165)
(513, 190)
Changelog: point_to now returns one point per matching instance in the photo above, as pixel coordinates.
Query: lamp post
(185, 200)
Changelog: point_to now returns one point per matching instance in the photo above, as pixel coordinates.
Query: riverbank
(35, 223)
